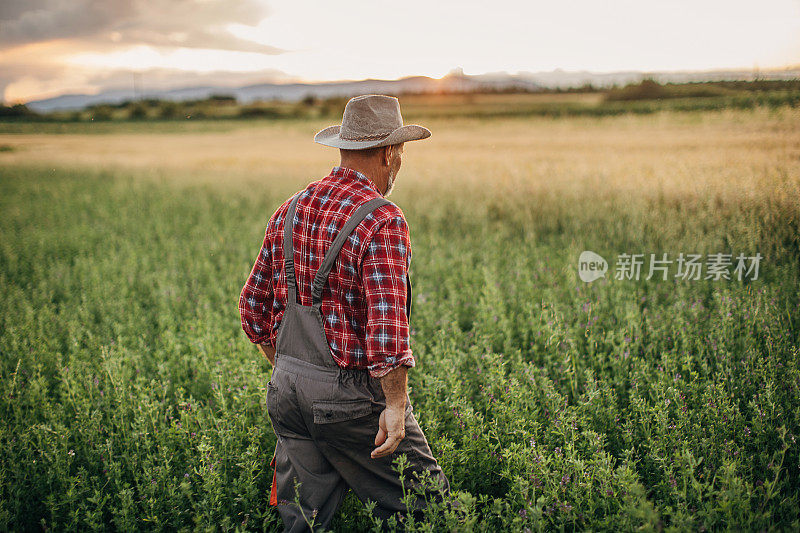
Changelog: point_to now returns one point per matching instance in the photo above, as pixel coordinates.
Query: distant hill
(456, 81)
(291, 92)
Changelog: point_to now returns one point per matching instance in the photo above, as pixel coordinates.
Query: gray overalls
(326, 417)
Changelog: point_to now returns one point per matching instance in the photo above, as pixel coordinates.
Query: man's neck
(369, 171)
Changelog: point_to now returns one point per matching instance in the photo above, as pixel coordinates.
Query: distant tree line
(649, 89)
(15, 111)
(714, 95)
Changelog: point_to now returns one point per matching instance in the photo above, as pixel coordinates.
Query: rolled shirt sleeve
(256, 299)
(384, 267)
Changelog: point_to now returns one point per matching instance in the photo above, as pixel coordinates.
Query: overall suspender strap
(330, 256)
(288, 251)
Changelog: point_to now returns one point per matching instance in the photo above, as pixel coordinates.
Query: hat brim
(411, 132)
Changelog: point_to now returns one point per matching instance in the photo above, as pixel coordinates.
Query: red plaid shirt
(364, 300)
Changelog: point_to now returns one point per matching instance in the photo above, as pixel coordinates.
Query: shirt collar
(349, 173)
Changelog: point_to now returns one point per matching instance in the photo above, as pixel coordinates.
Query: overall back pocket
(329, 412)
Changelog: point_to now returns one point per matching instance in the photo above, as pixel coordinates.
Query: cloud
(159, 23)
(18, 83)
(39, 37)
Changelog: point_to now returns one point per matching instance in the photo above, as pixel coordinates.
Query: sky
(52, 47)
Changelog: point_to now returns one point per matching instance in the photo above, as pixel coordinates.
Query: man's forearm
(394, 387)
(391, 424)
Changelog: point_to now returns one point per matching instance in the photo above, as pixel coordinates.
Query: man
(328, 303)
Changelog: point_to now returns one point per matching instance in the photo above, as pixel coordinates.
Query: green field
(130, 398)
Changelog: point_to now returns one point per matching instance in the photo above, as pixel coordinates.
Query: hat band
(365, 137)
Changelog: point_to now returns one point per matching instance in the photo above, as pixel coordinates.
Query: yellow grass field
(744, 153)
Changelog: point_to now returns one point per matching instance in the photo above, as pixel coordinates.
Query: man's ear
(387, 155)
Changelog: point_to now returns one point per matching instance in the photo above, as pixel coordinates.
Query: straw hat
(370, 121)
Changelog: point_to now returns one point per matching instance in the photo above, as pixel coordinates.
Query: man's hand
(392, 422)
(268, 351)
(391, 430)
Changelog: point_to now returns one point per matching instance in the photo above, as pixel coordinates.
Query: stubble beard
(390, 186)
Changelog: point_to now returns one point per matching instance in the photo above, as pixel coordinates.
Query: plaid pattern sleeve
(384, 267)
(256, 298)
